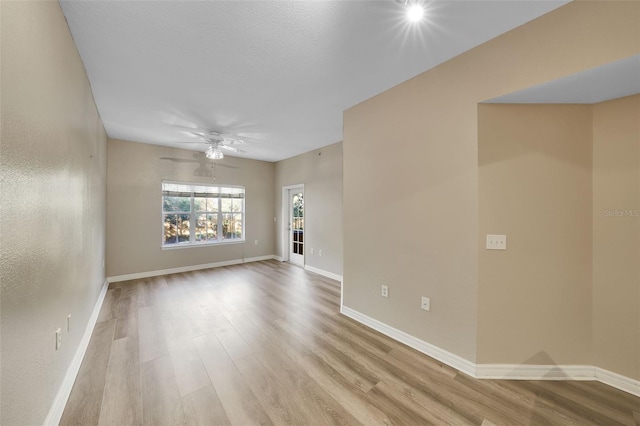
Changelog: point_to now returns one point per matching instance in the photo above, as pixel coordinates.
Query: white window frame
(220, 240)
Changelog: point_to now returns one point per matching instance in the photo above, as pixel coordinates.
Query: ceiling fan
(217, 142)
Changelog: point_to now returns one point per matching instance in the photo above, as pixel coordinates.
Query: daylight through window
(197, 214)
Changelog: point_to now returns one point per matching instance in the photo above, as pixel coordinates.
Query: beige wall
(563, 182)
(52, 206)
(534, 299)
(411, 172)
(321, 173)
(616, 239)
(134, 219)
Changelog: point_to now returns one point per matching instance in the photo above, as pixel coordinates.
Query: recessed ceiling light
(415, 12)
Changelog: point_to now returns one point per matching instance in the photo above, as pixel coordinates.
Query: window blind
(201, 191)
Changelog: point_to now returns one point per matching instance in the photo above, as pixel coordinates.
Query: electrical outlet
(425, 303)
(255, 242)
(69, 322)
(58, 339)
(384, 292)
(311, 250)
(319, 252)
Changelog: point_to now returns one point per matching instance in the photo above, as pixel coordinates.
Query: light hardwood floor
(264, 343)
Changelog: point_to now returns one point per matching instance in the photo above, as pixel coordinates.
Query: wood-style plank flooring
(264, 343)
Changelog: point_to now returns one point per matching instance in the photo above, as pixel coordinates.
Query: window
(197, 214)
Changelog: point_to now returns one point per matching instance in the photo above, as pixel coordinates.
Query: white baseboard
(534, 372)
(618, 381)
(323, 273)
(278, 258)
(500, 371)
(433, 351)
(558, 372)
(60, 401)
(139, 275)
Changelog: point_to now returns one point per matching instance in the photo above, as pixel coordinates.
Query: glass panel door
(296, 227)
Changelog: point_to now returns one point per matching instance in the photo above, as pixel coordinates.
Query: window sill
(188, 246)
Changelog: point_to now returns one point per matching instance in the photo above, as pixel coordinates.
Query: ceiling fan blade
(213, 139)
(197, 133)
(179, 160)
(232, 141)
(230, 148)
(228, 166)
(199, 158)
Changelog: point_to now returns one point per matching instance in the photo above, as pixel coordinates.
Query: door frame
(284, 228)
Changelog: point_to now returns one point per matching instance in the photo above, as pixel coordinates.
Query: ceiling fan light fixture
(214, 153)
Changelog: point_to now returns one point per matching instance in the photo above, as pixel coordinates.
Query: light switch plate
(496, 242)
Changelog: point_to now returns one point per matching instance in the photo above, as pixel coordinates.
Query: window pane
(298, 248)
(170, 229)
(212, 204)
(226, 225)
(231, 226)
(201, 228)
(176, 204)
(237, 204)
(200, 204)
(206, 228)
(237, 225)
(226, 204)
(212, 226)
(298, 205)
(183, 228)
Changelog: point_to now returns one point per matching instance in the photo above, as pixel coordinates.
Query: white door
(296, 226)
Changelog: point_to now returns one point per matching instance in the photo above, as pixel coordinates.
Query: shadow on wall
(512, 140)
(543, 358)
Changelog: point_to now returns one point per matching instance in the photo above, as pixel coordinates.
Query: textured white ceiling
(276, 73)
(610, 81)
